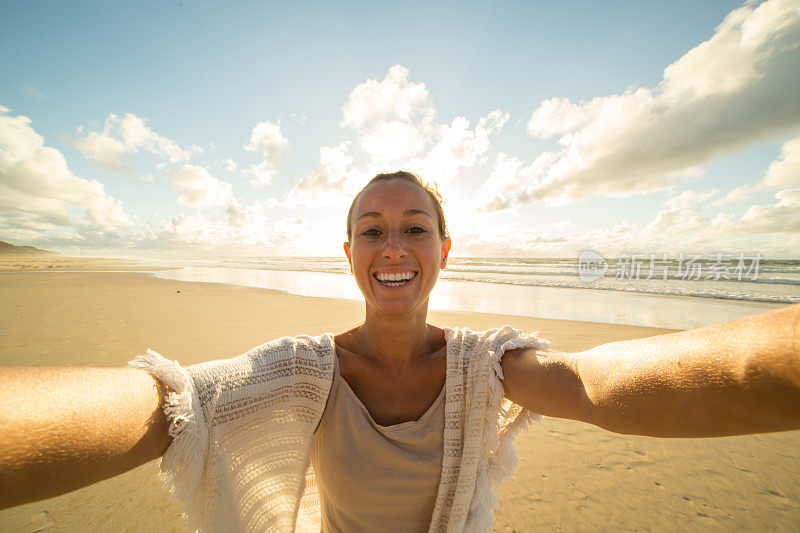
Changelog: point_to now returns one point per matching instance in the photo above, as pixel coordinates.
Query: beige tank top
(373, 477)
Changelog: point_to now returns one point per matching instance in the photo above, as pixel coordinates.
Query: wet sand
(570, 475)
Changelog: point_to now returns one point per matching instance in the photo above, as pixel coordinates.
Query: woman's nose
(394, 248)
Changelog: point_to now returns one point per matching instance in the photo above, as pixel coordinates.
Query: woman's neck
(396, 342)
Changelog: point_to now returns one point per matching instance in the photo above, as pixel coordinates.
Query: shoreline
(595, 305)
(560, 303)
(571, 475)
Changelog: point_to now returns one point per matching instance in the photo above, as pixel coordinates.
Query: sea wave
(672, 291)
(777, 281)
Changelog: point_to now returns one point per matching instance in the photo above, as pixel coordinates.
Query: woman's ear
(445, 251)
(346, 246)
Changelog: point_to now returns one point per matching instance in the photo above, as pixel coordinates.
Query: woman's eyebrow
(410, 212)
(368, 214)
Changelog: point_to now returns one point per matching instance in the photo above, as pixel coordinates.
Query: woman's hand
(65, 428)
(736, 377)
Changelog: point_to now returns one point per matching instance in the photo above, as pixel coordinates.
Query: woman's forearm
(736, 377)
(65, 428)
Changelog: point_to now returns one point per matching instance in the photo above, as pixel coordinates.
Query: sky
(204, 130)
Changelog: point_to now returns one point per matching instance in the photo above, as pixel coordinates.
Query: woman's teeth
(395, 280)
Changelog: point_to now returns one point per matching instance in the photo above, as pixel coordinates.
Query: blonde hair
(429, 188)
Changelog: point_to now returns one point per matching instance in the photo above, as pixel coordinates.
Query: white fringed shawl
(242, 432)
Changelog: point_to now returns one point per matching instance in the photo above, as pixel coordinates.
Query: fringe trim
(182, 464)
(504, 421)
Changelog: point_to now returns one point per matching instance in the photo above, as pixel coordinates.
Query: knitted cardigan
(242, 431)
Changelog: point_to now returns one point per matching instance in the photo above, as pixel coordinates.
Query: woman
(405, 423)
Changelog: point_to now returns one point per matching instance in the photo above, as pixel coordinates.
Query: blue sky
(195, 129)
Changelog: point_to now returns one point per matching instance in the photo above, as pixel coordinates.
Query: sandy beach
(571, 476)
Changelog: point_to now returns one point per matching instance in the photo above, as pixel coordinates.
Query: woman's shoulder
(285, 350)
(302, 347)
(495, 340)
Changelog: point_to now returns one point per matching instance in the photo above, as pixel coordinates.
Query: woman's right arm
(64, 428)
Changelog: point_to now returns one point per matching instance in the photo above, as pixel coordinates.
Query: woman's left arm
(731, 378)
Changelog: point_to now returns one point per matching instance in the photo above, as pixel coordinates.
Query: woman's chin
(398, 307)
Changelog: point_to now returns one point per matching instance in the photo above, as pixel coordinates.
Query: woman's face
(396, 252)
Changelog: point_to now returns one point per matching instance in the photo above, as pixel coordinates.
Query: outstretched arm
(731, 378)
(65, 428)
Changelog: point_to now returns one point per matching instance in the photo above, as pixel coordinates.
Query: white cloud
(230, 165)
(394, 118)
(459, 146)
(395, 124)
(690, 199)
(509, 175)
(247, 224)
(331, 183)
(681, 215)
(198, 188)
(240, 228)
(684, 226)
(780, 217)
(782, 173)
(392, 141)
(261, 174)
(195, 229)
(739, 194)
(394, 98)
(785, 171)
(267, 139)
(103, 149)
(125, 135)
(41, 198)
(735, 88)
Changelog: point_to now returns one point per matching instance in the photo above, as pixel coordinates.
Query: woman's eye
(417, 229)
(371, 232)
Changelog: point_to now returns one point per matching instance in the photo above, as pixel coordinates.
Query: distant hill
(10, 249)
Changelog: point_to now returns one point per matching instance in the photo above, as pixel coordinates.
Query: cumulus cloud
(240, 228)
(261, 174)
(782, 173)
(198, 188)
(125, 135)
(41, 197)
(230, 165)
(267, 139)
(690, 199)
(735, 88)
(780, 217)
(193, 229)
(682, 224)
(510, 174)
(686, 224)
(392, 117)
(395, 126)
(459, 146)
(681, 215)
(785, 171)
(330, 183)
(245, 218)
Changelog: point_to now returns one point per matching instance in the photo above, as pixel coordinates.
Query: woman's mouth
(394, 280)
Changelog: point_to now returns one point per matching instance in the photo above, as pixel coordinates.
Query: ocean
(679, 292)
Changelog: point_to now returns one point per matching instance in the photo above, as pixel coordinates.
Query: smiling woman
(395, 424)
(397, 243)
